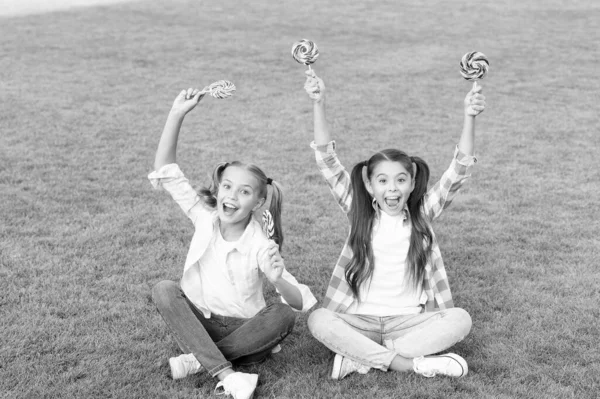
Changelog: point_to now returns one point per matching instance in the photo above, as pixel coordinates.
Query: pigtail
(209, 195)
(361, 217)
(422, 237)
(275, 207)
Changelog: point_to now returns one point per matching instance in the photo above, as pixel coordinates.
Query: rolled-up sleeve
(441, 194)
(335, 174)
(171, 179)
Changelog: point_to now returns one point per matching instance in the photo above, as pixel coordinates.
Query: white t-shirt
(388, 293)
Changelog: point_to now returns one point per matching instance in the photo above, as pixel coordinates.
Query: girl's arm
(167, 146)
(274, 269)
(440, 195)
(332, 170)
(315, 88)
(167, 173)
(474, 105)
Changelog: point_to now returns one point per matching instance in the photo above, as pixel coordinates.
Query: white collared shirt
(242, 263)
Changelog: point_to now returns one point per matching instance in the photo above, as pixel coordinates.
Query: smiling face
(238, 195)
(390, 184)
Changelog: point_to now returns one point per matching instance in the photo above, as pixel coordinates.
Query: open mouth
(229, 209)
(392, 202)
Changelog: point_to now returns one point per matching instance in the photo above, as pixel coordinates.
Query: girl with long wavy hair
(388, 305)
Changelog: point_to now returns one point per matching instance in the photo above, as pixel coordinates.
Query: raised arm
(167, 146)
(441, 194)
(474, 105)
(333, 171)
(315, 88)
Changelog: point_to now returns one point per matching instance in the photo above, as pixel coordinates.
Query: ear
(259, 204)
(414, 178)
(366, 180)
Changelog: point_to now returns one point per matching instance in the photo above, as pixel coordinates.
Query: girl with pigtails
(217, 313)
(388, 305)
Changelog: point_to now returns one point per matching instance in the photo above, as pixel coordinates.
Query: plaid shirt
(436, 290)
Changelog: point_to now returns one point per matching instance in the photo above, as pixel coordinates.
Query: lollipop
(474, 66)
(218, 89)
(305, 52)
(268, 225)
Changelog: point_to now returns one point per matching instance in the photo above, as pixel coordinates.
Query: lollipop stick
(309, 68)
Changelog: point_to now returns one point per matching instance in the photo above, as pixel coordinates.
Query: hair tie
(269, 180)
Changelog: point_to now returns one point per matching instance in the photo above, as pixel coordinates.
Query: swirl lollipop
(268, 225)
(219, 89)
(474, 66)
(305, 52)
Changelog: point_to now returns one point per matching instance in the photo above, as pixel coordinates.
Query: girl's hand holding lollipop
(474, 66)
(275, 266)
(474, 101)
(186, 100)
(314, 86)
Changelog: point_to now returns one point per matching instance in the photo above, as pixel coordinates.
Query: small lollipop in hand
(305, 52)
(474, 66)
(219, 89)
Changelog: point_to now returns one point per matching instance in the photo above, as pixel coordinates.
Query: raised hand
(186, 100)
(314, 86)
(474, 101)
(274, 267)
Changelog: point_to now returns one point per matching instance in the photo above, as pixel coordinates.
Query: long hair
(362, 214)
(209, 194)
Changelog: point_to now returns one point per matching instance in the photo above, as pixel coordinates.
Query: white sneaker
(239, 385)
(184, 365)
(449, 364)
(342, 366)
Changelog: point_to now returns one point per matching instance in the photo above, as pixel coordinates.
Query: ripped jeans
(374, 341)
(218, 341)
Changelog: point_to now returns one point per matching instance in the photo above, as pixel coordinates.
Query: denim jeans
(375, 341)
(220, 340)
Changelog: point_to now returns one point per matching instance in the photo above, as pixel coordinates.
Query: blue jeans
(375, 341)
(220, 340)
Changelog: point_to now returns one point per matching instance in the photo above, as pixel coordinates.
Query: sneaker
(449, 364)
(184, 365)
(342, 366)
(276, 349)
(239, 385)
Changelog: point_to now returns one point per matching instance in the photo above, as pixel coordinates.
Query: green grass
(83, 238)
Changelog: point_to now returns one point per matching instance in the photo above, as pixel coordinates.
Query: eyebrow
(399, 174)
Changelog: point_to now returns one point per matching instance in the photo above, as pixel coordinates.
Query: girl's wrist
(177, 113)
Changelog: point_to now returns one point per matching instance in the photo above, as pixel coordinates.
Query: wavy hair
(362, 215)
(209, 194)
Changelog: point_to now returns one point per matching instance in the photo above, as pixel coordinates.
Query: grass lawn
(83, 238)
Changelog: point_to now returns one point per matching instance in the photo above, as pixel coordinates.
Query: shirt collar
(244, 243)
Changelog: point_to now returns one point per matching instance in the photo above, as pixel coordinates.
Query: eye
(225, 186)
(245, 192)
(382, 181)
(402, 180)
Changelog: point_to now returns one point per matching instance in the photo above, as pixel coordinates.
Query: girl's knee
(163, 290)
(285, 313)
(319, 320)
(462, 318)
